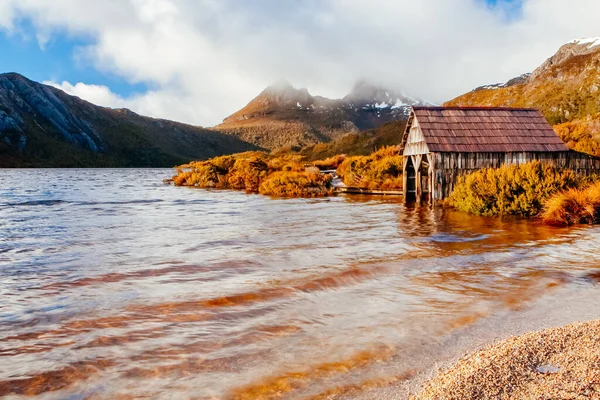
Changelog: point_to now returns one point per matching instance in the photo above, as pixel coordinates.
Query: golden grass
(573, 206)
(511, 189)
(286, 175)
(330, 162)
(581, 135)
(241, 171)
(380, 170)
(511, 369)
(297, 184)
(257, 172)
(247, 173)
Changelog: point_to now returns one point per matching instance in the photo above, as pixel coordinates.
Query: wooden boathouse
(442, 143)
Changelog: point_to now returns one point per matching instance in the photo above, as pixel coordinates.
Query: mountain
(285, 117)
(566, 88)
(514, 81)
(41, 126)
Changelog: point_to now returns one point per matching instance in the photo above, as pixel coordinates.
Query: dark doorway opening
(411, 181)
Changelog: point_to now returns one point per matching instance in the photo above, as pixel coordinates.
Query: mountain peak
(364, 89)
(577, 47)
(280, 86)
(379, 96)
(282, 115)
(275, 97)
(12, 75)
(282, 92)
(587, 42)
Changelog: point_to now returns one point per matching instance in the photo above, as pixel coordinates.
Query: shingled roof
(485, 129)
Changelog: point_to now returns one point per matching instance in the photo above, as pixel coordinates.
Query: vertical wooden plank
(431, 175)
(405, 175)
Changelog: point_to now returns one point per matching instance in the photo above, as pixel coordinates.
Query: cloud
(159, 104)
(204, 59)
(97, 94)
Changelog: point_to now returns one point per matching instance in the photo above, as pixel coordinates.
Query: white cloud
(97, 94)
(159, 104)
(205, 59)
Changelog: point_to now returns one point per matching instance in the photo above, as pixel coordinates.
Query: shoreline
(558, 363)
(565, 306)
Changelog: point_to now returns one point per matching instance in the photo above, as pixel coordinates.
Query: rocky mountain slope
(41, 126)
(514, 81)
(566, 88)
(285, 117)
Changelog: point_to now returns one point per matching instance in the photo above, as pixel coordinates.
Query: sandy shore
(565, 306)
(557, 363)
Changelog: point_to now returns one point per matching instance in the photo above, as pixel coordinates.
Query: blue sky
(198, 61)
(56, 60)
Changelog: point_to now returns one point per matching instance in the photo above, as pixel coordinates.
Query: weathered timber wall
(449, 166)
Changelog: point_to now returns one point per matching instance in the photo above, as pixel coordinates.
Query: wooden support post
(430, 160)
(404, 175)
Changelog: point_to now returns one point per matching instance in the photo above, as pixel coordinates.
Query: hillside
(41, 126)
(285, 117)
(358, 144)
(566, 88)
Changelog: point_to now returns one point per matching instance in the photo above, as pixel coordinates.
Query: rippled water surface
(114, 285)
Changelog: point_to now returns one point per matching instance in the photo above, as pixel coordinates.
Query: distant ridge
(41, 126)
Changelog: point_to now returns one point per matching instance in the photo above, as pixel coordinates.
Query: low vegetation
(310, 183)
(257, 172)
(290, 175)
(581, 135)
(380, 170)
(512, 190)
(357, 144)
(573, 206)
(330, 163)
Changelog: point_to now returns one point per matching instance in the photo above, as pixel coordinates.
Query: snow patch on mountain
(591, 42)
(515, 81)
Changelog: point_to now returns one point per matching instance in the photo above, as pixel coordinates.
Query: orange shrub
(511, 189)
(288, 162)
(574, 206)
(256, 172)
(247, 174)
(581, 135)
(297, 184)
(380, 170)
(330, 163)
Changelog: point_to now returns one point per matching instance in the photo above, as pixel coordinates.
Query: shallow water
(115, 285)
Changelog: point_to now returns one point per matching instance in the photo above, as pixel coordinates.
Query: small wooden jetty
(340, 187)
(353, 190)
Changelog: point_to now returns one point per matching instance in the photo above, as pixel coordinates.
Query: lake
(115, 285)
